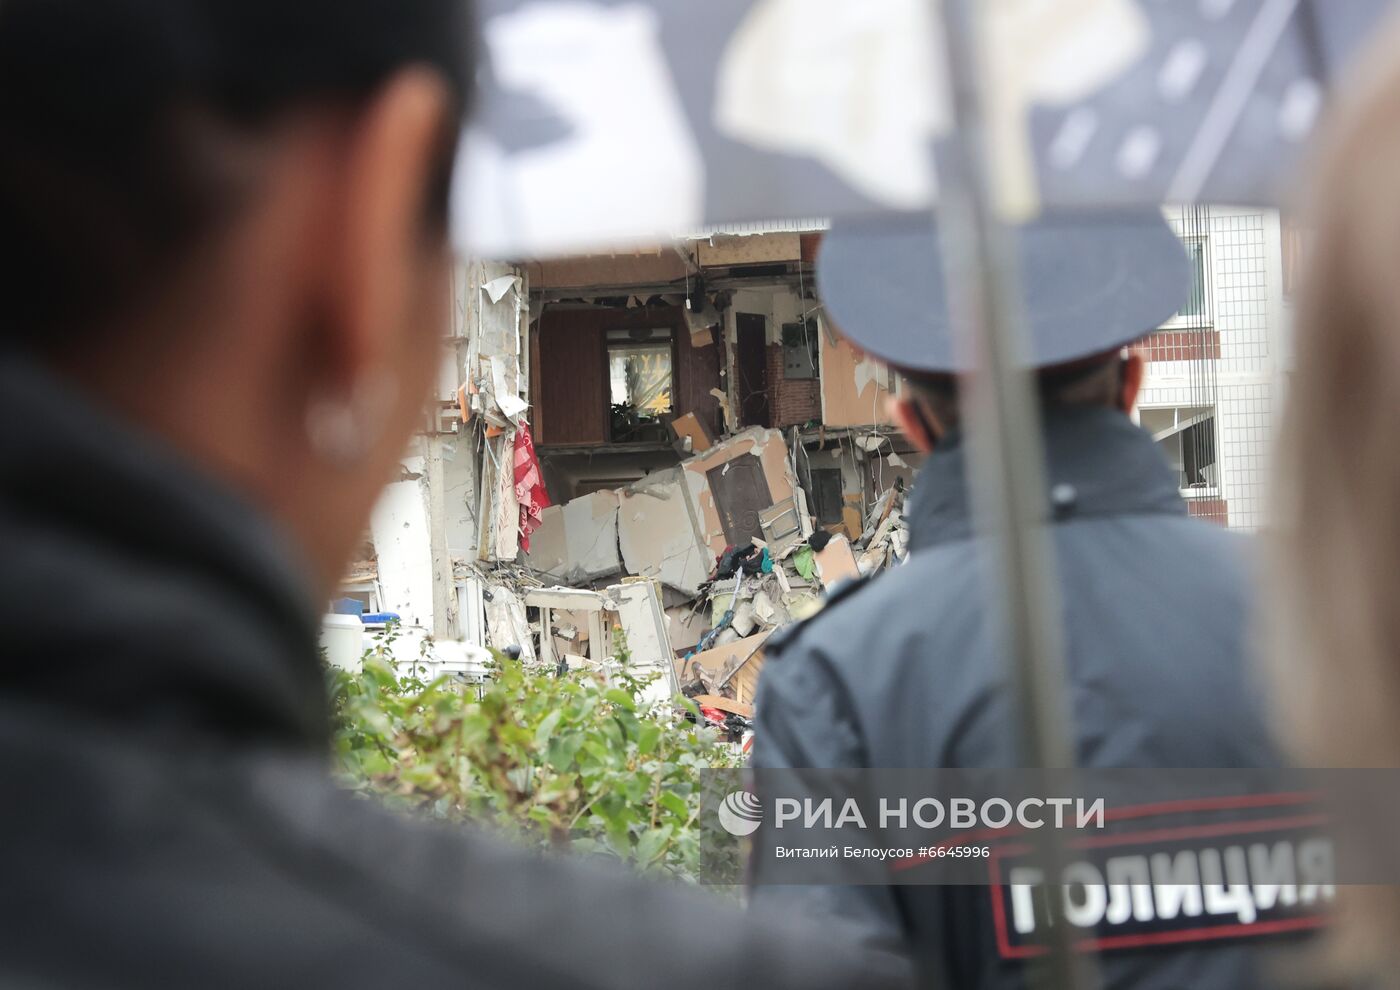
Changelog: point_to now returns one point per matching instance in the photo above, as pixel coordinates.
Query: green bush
(568, 762)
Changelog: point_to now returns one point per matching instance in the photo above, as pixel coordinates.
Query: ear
(914, 422)
(392, 158)
(1134, 369)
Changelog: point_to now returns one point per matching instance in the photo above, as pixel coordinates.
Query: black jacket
(903, 672)
(168, 816)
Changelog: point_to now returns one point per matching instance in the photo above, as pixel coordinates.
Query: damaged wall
(720, 494)
(853, 385)
(399, 525)
(460, 480)
(577, 542)
(659, 534)
(673, 524)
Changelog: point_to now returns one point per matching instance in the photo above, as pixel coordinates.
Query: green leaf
(546, 727)
(621, 698)
(675, 804)
(651, 843)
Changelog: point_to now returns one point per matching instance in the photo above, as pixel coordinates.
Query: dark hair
(1096, 381)
(107, 111)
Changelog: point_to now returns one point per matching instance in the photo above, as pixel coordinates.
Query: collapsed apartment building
(672, 443)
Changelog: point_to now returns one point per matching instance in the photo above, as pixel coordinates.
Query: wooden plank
(721, 660)
(744, 681)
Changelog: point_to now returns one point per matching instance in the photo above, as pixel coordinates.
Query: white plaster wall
(399, 526)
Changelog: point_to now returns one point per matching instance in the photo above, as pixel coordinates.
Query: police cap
(1092, 282)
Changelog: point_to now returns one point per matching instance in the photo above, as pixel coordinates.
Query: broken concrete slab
(639, 613)
(837, 562)
(658, 534)
(686, 626)
(577, 543)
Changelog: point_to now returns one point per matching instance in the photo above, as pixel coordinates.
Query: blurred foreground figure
(905, 670)
(225, 277)
(1335, 624)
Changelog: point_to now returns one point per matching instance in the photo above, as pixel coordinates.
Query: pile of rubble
(655, 564)
(690, 568)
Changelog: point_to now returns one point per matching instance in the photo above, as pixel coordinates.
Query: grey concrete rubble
(643, 461)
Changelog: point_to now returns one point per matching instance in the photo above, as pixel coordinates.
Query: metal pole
(1004, 440)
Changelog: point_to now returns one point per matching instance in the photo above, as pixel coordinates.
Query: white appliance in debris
(343, 639)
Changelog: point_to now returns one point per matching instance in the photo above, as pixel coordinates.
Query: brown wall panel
(571, 400)
(570, 404)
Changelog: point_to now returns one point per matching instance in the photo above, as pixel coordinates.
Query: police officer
(903, 671)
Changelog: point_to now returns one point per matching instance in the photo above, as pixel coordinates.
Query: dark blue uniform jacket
(903, 672)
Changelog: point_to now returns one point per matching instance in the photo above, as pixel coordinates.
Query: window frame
(1180, 426)
(608, 347)
(1206, 320)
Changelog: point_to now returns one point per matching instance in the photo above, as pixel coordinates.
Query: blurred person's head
(930, 404)
(226, 221)
(1334, 630)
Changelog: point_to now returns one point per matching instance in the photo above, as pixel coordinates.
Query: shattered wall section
(781, 484)
(577, 542)
(658, 531)
(854, 385)
(399, 526)
(490, 335)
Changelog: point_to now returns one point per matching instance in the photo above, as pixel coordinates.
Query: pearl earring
(343, 429)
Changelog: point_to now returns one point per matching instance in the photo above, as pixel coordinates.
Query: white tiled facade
(1244, 307)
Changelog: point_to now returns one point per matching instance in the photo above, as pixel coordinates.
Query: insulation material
(399, 528)
(577, 543)
(854, 385)
(768, 447)
(658, 533)
(726, 408)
